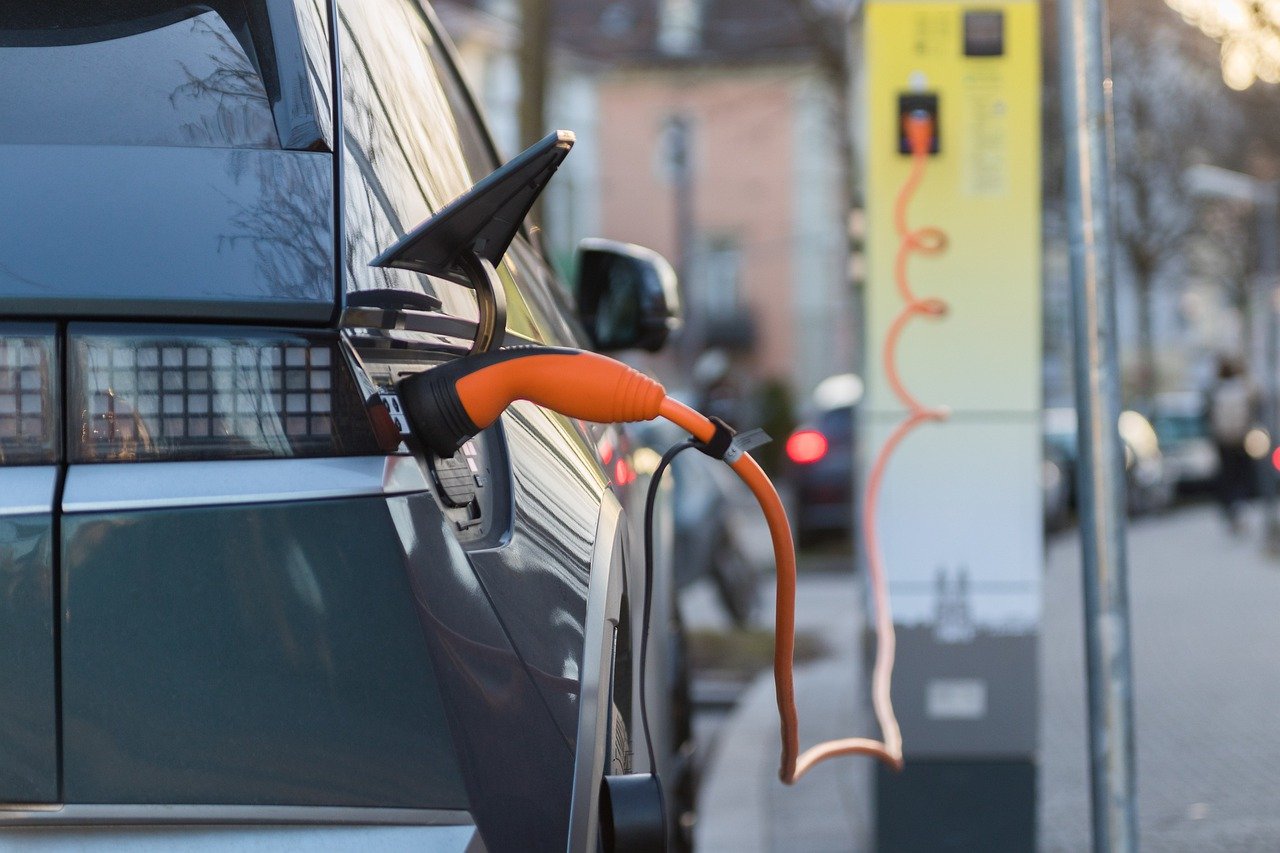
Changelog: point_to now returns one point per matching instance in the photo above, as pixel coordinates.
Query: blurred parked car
(820, 461)
(1149, 480)
(1181, 422)
(1058, 474)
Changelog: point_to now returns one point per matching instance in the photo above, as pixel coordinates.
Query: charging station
(959, 517)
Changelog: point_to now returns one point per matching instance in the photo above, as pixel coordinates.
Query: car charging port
(913, 104)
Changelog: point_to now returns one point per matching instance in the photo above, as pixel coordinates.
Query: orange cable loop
(794, 764)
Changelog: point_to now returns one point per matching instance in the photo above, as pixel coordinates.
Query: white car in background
(1149, 479)
(1181, 420)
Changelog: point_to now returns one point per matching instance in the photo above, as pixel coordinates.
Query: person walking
(1233, 404)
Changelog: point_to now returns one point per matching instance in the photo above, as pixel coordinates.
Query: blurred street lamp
(1207, 181)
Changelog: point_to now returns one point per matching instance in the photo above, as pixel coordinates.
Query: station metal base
(969, 805)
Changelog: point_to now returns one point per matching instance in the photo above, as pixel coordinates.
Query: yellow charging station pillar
(960, 516)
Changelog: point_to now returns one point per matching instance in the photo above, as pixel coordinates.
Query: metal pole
(1086, 107)
(1269, 266)
(680, 162)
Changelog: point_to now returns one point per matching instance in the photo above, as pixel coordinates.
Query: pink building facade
(759, 234)
(762, 242)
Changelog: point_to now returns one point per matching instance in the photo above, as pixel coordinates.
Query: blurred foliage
(1184, 264)
(773, 402)
(742, 653)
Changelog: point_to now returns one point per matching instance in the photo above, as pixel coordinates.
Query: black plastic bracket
(491, 299)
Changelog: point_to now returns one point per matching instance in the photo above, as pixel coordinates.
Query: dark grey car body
(312, 650)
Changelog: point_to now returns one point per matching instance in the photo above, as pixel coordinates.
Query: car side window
(477, 145)
(542, 298)
(401, 150)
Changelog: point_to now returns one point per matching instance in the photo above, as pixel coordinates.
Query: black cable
(651, 498)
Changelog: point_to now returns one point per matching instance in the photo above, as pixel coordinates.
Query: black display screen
(984, 33)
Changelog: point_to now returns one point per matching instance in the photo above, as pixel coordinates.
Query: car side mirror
(627, 295)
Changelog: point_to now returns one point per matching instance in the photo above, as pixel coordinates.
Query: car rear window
(139, 72)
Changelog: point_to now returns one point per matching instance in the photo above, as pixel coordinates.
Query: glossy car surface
(235, 611)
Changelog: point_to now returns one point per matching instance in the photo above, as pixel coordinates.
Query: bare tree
(535, 62)
(1222, 251)
(1171, 110)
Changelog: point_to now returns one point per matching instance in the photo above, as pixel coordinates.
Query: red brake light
(806, 446)
(623, 474)
(1275, 459)
(28, 396)
(205, 394)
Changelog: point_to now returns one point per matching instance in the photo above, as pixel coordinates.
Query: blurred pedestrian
(1233, 404)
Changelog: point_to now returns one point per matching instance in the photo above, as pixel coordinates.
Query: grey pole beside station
(1086, 107)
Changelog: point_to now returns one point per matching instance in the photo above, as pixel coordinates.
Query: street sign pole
(1086, 107)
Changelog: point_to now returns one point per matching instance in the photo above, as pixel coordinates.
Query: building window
(679, 26)
(721, 276)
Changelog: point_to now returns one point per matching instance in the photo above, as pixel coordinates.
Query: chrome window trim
(27, 490)
(604, 606)
(80, 814)
(113, 487)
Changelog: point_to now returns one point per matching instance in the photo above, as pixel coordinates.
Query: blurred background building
(709, 132)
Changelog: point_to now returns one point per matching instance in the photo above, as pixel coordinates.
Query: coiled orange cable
(924, 241)
(794, 764)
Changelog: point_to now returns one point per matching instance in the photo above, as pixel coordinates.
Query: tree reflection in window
(186, 83)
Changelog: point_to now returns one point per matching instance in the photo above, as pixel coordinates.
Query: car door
(533, 531)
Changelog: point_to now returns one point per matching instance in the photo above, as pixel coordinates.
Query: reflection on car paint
(500, 723)
(538, 581)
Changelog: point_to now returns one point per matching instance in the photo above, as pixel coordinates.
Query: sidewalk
(1206, 635)
(1206, 655)
(742, 806)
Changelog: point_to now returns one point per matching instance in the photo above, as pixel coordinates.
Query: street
(1205, 632)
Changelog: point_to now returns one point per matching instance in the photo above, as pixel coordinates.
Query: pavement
(1206, 643)
(742, 806)
(1206, 656)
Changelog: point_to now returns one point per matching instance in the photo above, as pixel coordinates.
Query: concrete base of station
(962, 805)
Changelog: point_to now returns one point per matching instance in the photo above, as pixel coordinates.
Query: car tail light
(806, 446)
(140, 396)
(28, 396)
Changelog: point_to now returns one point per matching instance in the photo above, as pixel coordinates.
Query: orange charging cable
(452, 402)
(794, 763)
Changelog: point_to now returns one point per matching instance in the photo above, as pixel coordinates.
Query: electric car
(242, 604)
